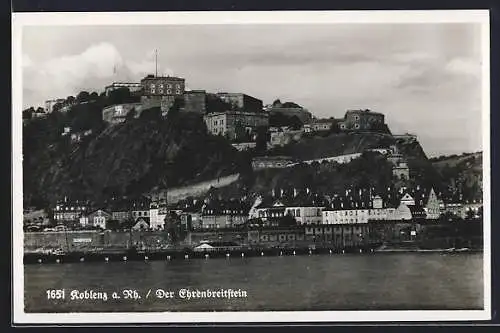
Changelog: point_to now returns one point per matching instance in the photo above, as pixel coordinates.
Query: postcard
(251, 167)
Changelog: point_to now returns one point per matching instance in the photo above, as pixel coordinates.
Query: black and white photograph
(251, 167)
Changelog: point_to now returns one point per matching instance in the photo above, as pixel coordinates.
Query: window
(356, 117)
(169, 86)
(298, 212)
(178, 86)
(161, 90)
(169, 91)
(356, 126)
(161, 86)
(178, 91)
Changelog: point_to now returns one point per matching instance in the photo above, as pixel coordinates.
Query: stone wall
(179, 193)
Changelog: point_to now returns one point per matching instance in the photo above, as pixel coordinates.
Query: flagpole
(156, 63)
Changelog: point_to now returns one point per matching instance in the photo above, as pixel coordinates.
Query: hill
(462, 175)
(334, 144)
(125, 159)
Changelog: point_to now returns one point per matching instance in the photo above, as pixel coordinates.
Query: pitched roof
(222, 207)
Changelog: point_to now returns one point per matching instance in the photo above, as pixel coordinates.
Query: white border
(169, 18)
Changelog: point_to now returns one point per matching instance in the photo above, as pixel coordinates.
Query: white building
(49, 104)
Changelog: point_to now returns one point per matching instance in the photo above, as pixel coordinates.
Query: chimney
(294, 192)
(307, 190)
(273, 193)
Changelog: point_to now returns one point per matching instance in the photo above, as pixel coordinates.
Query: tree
(57, 107)
(112, 225)
(94, 96)
(277, 102)
(131, 114)
(28, 113)
(119, 96)
(261, 140)
(296, 123)
(151, 114)
(172, 226)
(70, 100)
(82, 96)
(215, 104)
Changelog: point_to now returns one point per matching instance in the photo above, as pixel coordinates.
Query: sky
(425, 78)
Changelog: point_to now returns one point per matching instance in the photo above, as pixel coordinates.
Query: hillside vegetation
(125, 159)
(461, 174)
(152, 153)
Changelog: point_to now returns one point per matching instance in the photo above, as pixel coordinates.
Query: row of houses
(302, 207)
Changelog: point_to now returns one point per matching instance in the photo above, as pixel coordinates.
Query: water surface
(396, 281)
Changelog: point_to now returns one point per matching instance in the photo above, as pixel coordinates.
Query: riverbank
(72, 257)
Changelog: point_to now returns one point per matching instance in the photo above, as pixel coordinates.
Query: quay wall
(68, 241)
(464, 234)
(92, 240)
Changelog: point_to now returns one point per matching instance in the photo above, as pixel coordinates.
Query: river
(380, 281)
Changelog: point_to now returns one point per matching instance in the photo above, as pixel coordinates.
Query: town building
(319, 125)
(116, 114)
(400, 170)
(120, 210)
(241, 102)
(217, 214)
(406, 212)
(351, 209)
(471, 209)
(236, 125)
(66, 131)
(339, 235)
(305, 208)
(161, 91)
(424, 198)
(195, 101)
(97, 218)
(69, 211)
(49, 104)
(362, 207)
(190, 212)
(158, 211)
(272, 162)
(142, 223)
(39, 113)
(280, 138)
(289, 109)
(140, 208)
(162, 86)
(133, 87)
(362, 120)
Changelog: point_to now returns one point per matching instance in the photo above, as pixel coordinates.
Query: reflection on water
(324, 282)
